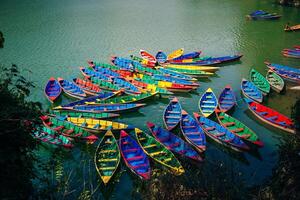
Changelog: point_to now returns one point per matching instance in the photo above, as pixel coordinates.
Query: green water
(54, 38)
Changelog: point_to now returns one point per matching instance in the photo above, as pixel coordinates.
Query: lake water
(54, 38)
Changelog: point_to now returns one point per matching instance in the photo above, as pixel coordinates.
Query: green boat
(126, 99)
(105, 85)
(259, 81)
(84, 114)
(238, 128)
(67, 129)
(158, 152)
(195, 73)
(108, 66)
(276, 82)
(107, 157)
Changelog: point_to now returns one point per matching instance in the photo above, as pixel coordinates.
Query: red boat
(270, 116)
(87, 86)
(148, 56)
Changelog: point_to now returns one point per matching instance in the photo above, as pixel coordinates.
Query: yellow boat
(97, 125)
(192, 67)
(175, 54)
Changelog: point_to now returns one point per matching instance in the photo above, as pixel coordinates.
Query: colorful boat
(192, 67)
(175, 54)
(161, 57)
(221, 59)
(147, 56)
(52, 89)
(52, 137)
(71, 89)
(192, 132)
(122, 63)
(158, 152)
(87, 86)
(263, 15)
(67, 129)
(220, 134)
(275, 81)
(97, 125)
(260, 81)
(107, 157)
(188, 56)
(249, 90)
(172, 114)
(287, 73)
(194, 73)
(127, 99)
(116, 108)
(291, 54)
(208, 103)
(227, 99)
(173, 142)
(88, 73)
(175, 80)
(128, 87)
(83, 114)
(105, 71)
(105, 85)
(176, 74)
(292, 28)
(271, 116)
(238, 128)
(144, 62)
(134, 156)
(198, 63)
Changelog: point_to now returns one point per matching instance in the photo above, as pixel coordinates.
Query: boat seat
(245, 136)
(207, 106)
(140, 166)
(227, 98)
(262, 113)
(150, 146)
(106, 168)
(192, 133)
(157, 153)
(238, 130)
(176, 144)
(188, 126)
(197, 139)
(228, 140)
(172, 117)
(70, 131)
(58, 128)
(272, 118)
(107, 159)
(173, 112)
(172, 122)
(229, 124)
(210, 128)
(108, 151)
(219, 134)
(208, 101)
(134, 158)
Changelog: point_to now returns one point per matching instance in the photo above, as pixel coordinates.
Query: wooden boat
(144, 70)
(144, 62)
(291, 53)
(161, 57)
(175, 80)
(83, 114)
(198, 63)
(173, 142)
(71, 89)
(263, 15)
(122, 63)
(238, 128)
(188, 56)
(295, 88)
(158, 152)
(105, 71)
(106, 85)
(52, 137)
(297, 47)
(126, 99)
(52, 89)
(192, 67)
(87, 86)
(88, 73)
(146, 55)
(128, 87)
(270, 116)
(172, 114)
(221, 59)
(192, 132)
(287, 73)
(176, 74)
(98, 125)
(115, 108)
(260, 81)
(275, 81)
(227, 99)
(249, 90)
(194, 73)
(208, 103)
(67, 129)
(175, 54)
(134, 156)
(102, 96)
(220, 134)
(107, 157)
(292, 28)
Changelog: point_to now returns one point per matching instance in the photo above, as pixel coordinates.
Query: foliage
(1, 39)
(16, 141)
(289, 2)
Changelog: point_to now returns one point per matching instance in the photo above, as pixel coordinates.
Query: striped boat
(88, 73)
(192, 132)
(128, 87)
(176, 74)
(172, 114)
(208, 103)
(287, 73)
(260, 81)
(276, 82)
(107, 157)
(105, 71)
(161, 57)
(52, 89)
(173, 142)
(105, 85)
(192, 67)
(146, 55)
(87, 86)
(83, 114)
(227, 99)
(175, 80)
(249, 90)
(71, 89)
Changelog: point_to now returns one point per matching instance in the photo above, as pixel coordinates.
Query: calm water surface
(54, 38)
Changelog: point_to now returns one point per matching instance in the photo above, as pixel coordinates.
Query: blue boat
(115, 108)
(263, 15)
(192, 132)
(172, 114)
(134, 156)
(220, 134)
(227, 99)
(173, 142)
(106, 71)
(91, 73)
(122, 63)
(176, 74)
(172, 79)
(199, 63)
(52, 89)
(127, 86)
(208, 103)
(224, 59)
(161, 57)
(188, 55)
(71, 89)
(249, 90)
(283, 68)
